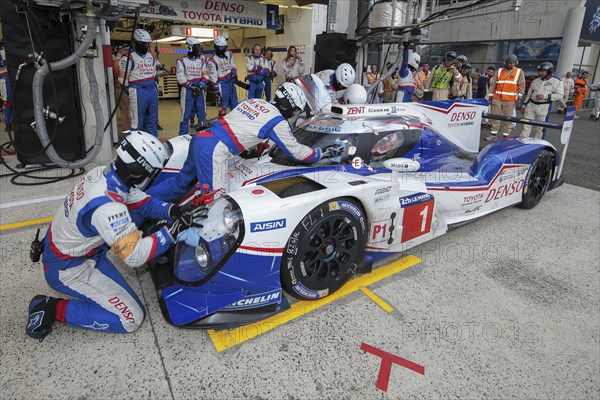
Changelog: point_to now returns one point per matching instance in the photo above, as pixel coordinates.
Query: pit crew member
(222, 73)
(251, 123)
(544, 90)
(95, 218)
(193, 78)
(337, 81)
(139, 68)
(257, 68)
(406, 75)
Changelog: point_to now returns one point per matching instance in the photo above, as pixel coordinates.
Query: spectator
(389, 86)
(193, 78)
(544, 90)
(121, 97)
(506, 93)
(595, 115)
(270, 63)
(292, 65)
(256, 67)
(483, 83)
(371, 77)
(442, 76)
(568, 86)
(580, 90)
(140, 70)
(463, 88)
(222, 73)
(475, 79)
(424, 73)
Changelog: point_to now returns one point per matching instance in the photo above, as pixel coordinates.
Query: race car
(402, 174)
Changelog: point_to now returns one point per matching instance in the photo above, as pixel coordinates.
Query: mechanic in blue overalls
(222, 72)
(95, 218)
(192, 76)
(272, 74)
(5, 90)
(139, 67)
(406, 82)
(257, 68)
(246, 127)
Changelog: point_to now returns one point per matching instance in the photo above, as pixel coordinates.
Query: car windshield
(312, 135)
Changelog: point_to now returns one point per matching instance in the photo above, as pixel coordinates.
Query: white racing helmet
(220, 41)
(140, 158)
(345, 74)
(355, 94)
(190, 42)
(142, 36)
(414, 60)
(288, 99)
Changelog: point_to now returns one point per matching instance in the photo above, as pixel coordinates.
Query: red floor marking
(387, 359)
(4, 153)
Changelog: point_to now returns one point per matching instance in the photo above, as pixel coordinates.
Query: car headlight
(220, 236)
(202, 256)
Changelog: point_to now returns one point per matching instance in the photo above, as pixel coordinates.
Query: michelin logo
(267, 225)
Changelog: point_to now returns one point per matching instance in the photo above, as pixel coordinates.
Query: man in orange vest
(506, 92)
(580, 90)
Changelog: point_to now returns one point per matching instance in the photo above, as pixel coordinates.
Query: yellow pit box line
(227, 338)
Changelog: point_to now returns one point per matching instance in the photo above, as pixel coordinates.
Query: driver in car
(246, 127)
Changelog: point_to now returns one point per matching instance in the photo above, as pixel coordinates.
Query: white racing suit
(93, 219)
(250, 123)
(191, 72)
(328, 77)
(221, 71)
(143, 92)
(552, 89)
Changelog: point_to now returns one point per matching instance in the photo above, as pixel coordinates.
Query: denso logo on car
(267, 225)
(463, 116)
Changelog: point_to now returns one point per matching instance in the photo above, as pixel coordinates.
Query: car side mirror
(398, 165)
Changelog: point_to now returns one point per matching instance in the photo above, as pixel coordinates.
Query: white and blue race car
(406, 173)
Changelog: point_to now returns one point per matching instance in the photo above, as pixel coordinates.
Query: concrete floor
(507, 306)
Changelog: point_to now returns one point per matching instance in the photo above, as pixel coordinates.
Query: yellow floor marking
(21, 224)
(227, 338)
(377, 299)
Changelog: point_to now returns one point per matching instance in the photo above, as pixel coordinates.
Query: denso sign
(463, 116)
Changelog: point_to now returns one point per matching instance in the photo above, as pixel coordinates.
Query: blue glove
(191, 237)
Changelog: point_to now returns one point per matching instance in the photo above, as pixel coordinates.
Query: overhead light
(181, 39)
(282, 6)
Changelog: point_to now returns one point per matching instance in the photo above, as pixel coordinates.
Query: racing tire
(537, 179)
(324, 250)
(163, 10)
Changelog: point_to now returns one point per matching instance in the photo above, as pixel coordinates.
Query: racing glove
(333, 151)
(196, 91)
(186, 216)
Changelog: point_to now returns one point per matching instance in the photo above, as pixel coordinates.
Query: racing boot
(492, 137)
(42, 314)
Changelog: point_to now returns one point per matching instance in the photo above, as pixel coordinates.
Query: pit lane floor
(506, 306)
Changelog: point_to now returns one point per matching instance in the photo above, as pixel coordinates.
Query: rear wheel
(537, 179)
(324, 250)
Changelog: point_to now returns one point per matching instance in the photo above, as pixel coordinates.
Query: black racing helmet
(450, 55)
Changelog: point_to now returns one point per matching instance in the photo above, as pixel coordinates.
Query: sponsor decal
(343, 205)
(381, 199)
(161, 238)
(383, 190)
(325, 128)
(267, 225)
(116, 225)
(505, 190)
(380, 231)
(415, 199)
(472, 199)
(311, 294)
(145, 164)
(357, 163)
(472, 210)
(356, 110)
(244, 169)
(35, 320)
(258, 300)
(118, 216)
(463, 116)
(123, 309)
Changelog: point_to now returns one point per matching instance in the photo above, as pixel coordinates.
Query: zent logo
(356, 110)
(267, 225)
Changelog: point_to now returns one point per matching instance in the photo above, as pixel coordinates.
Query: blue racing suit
(5, 88)
(93, 219)
(257, 71)
(251, 122)
(221, 71)
(191, 72)
(142, 89)
(270, 63)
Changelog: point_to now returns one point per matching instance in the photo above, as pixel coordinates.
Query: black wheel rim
(539, 178)
(329, 251)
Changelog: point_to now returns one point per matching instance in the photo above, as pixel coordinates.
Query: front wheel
(537, 179)
(324, 250)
